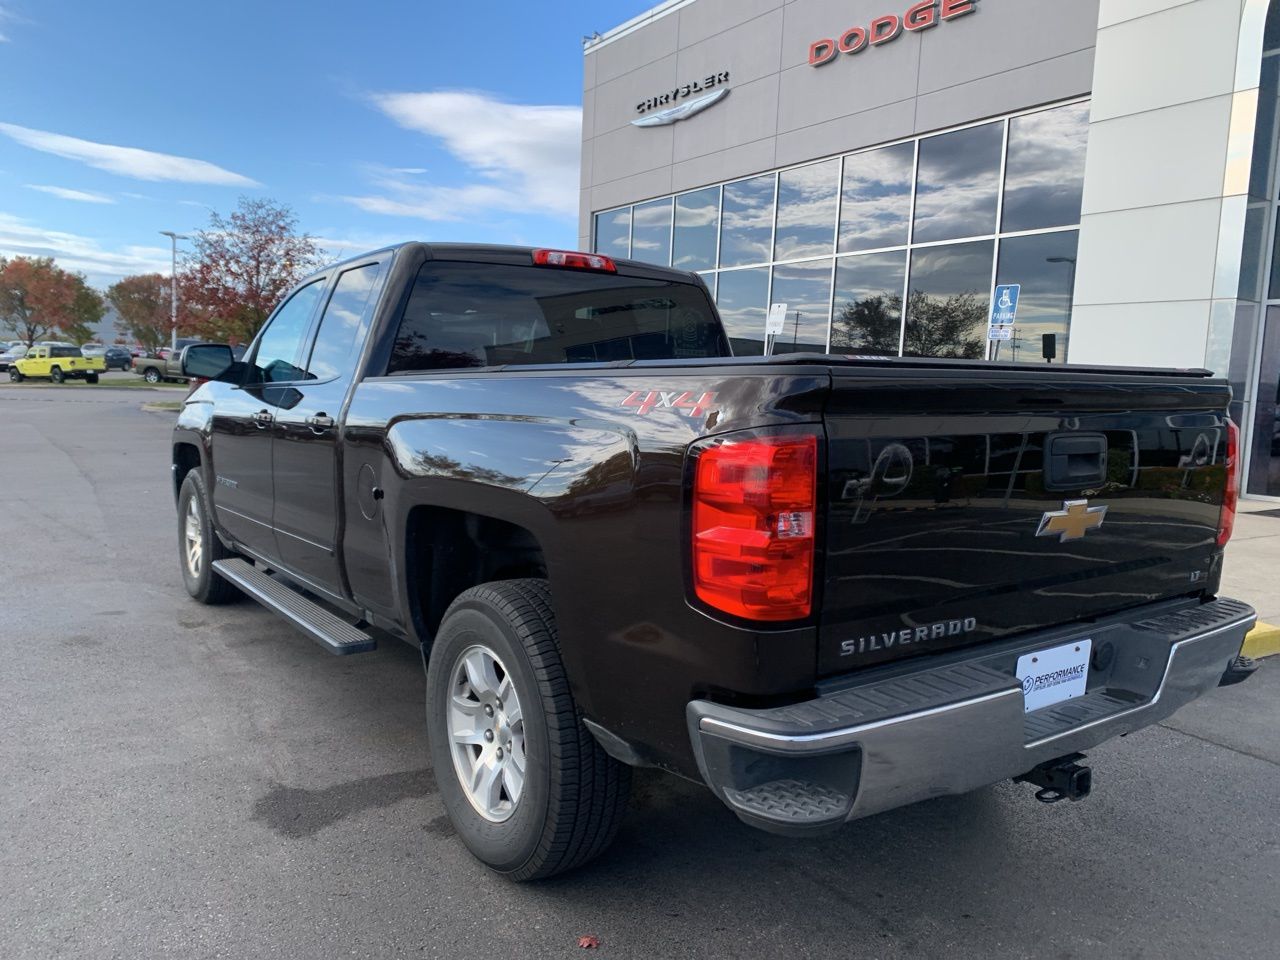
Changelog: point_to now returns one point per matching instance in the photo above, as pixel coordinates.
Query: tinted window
(875, 210)
(742, 297)
(806, 290)
(1045, 266)
(697, 223)
(613, 233)
(339, 337)
(651, 232)
(276, 358)
(807, 211)
(65, 352)
(958, 182)
(868, 304)
(947, 311)
(1044, 173)
(746, 225)
(480, 314)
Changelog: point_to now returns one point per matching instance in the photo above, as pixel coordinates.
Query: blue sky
(376, 123)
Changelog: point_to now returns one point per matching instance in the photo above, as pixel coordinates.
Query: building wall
(1166, 181)
(1009, 55)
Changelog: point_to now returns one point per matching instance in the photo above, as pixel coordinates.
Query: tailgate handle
(1075, 461)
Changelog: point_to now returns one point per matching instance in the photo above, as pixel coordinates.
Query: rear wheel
(199, 546)
(151, 375)
(56, 375)
(90, 378)
(526, 786)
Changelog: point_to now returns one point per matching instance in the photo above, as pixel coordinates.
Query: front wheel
(527, 788)
(56, 375)
(15, 376)
(199, 546)
(152, 375)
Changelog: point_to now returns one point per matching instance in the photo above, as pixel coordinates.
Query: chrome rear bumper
(950, 724)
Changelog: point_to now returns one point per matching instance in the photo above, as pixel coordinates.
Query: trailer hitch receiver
(1061, 779)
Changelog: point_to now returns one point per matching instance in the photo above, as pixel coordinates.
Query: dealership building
(1089, 181)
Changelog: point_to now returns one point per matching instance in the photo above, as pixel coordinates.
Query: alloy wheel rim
(486, 733)
(193, 538)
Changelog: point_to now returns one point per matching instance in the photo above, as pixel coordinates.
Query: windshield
(482, 314)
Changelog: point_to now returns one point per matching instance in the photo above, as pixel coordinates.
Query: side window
(276, 358)
(345, 320)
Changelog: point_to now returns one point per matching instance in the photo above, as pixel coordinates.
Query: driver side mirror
(209, 361)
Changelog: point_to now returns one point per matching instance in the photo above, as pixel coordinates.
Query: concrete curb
(1262, 641)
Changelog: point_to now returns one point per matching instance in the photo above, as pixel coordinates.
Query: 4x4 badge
(1072, 522)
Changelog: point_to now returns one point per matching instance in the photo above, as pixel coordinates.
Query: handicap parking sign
(1004, 307)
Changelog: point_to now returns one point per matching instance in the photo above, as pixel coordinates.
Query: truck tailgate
(952, 503)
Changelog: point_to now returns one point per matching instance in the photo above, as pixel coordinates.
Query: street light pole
(173, 286)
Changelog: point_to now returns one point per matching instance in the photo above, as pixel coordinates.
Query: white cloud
(126, 161)
(20, 237)
(66, 193)
(524, 158)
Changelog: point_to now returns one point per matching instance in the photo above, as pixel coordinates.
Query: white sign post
(773, 326)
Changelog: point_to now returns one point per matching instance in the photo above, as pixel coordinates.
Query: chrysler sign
(918, 17)
(683, 101)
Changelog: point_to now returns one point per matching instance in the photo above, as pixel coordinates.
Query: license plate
(1053, 675)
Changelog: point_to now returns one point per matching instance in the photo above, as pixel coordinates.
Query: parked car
(118, 358)
(115, 357)
(10, 354)
(824, 586)
(166, 366)
(56, 363)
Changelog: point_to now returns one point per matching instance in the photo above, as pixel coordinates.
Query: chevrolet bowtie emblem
(1072, 522)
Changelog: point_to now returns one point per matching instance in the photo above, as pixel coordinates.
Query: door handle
(320, 422)
(263, 419)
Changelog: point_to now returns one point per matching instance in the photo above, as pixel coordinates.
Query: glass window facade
(891, 250)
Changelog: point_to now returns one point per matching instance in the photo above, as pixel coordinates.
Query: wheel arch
(447, 550)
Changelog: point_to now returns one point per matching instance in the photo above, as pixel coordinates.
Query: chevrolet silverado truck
(58, 363)
(824, 586)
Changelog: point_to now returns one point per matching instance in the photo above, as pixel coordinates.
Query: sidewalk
(1252, 572)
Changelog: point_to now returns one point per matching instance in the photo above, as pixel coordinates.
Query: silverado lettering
(883, 641)
(615, 544)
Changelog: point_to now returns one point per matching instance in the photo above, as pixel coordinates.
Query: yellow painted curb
(1262, 641)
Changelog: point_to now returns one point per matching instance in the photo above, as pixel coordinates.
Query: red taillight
(1227, 520)
(574, 261)
(754, 508)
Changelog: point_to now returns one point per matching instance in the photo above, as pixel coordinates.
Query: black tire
(90, 378)
(15, 376)
(203, 584)
(151, 375)
(574, 794)
(56, 375)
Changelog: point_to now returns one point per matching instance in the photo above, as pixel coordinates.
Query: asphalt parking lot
(195, 782)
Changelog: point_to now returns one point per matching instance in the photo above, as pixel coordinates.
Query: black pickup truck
(825, 586)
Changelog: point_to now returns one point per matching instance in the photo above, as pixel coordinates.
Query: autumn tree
(87, 310)
(936, 326)
(39, 298)
(241, 266)
(143, 304)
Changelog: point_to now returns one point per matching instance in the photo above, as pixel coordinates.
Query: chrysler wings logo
(1072, 522)
(681, 111)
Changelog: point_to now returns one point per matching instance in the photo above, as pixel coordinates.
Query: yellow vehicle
(57, 363)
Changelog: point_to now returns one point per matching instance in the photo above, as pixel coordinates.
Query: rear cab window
(463, 314)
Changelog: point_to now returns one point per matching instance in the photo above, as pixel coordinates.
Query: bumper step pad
(330, 631)
(796, 802)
